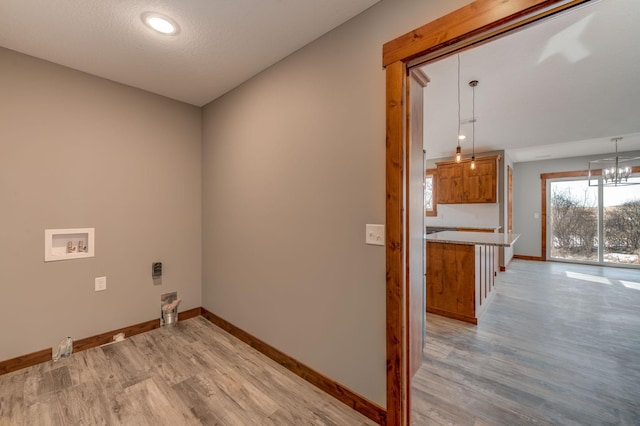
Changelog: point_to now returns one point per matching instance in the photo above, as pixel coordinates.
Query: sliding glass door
(574, 220)
(583, 216)
(621, 220)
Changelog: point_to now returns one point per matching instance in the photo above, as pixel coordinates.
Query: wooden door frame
(509, 199)
(472, 24)
(543, 204)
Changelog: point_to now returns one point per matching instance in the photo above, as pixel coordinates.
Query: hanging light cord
(473, 84)
(458, 135)
(473, 123)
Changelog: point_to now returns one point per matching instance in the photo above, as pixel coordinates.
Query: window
(594, 224)
(574, 220)
(621, 223)
(430, 193)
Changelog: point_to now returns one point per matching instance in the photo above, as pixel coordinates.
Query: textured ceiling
(221, 43)
(560, 88)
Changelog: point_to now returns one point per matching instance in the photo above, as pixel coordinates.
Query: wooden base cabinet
(460, 279)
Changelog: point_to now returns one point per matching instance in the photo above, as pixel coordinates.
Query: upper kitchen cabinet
(458, 183)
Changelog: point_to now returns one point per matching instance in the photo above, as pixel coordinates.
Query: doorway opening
(467, 26)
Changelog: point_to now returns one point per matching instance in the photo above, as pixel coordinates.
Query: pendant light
(460, 135)
(615, 171)
(473, 84)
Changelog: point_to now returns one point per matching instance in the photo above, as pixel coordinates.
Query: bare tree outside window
(430, 193)
(622, 224)
(574, 218)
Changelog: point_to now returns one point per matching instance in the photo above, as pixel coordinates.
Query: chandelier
(615, 171)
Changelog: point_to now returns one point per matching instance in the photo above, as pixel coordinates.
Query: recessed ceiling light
(160, 23)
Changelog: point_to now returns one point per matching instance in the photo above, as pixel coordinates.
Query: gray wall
(293, 169)
(527, 198)
(80, 151)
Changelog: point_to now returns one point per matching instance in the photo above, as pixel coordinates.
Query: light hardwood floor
(191, 375)
(560, 344)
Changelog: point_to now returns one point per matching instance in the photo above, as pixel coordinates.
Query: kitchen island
(441, 228)
(461, 272)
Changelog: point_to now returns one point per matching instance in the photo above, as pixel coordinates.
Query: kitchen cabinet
(460, 280)
(461, 271)
(458, 183)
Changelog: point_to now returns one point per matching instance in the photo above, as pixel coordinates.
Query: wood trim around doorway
(509, 199)
(397, 384)
(462, 28)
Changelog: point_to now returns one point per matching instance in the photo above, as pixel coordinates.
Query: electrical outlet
(375, 235)
(101, 283)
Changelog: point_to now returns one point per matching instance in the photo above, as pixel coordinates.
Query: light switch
(156, 269)
(101, 283)
(536, 215)
(375, 235)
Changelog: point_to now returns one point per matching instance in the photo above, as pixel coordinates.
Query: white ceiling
(561, 88)
(221, 43)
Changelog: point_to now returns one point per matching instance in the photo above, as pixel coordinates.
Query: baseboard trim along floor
(24, 361)
(46, 355)
(523, 257)
(336, 390)
(331, 387)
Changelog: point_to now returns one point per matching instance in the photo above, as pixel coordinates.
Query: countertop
(474, 238)
(453, 228)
